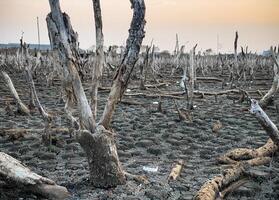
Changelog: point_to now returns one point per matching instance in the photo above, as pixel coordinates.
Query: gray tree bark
(64, 41)
(100, 56)
(121, 78)
(96, 140)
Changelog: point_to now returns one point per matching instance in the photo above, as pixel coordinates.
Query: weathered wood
(22, 108)
(213, 188)
(267, 98)
(100, 56)
(46, 116)
(240, 154)
(176, 170)
(242, 159)
(265, 121)
(19, 176)
(122, 76)
(143, 68)
(63, 39)
(105, 168)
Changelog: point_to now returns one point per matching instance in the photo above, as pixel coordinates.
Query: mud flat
(145, 138)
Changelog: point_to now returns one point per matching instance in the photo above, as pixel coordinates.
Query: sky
(195, 21)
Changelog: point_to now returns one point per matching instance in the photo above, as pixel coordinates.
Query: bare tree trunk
(267, 98)
(63, 40)
(133, 44)
(235, 66)
(22, 108)
(191, 78)
(14, 173)
(47, 117)
(100, 56)
(105, 169)
(143, 68)
(97, 142)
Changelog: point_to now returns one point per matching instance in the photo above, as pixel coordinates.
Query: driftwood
(214, 188)
(17, 175)
(22, 108)
(176, 171)
(242, 160)
(216, 127)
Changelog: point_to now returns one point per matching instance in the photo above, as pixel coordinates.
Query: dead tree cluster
(147, 67)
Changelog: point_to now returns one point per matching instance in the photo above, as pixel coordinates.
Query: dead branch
(265, 121)
(22, 108)
(122, 76)
(100, 56)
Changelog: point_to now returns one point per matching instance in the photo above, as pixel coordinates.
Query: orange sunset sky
(196, 21)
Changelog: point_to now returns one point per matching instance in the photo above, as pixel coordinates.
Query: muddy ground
(145, 137)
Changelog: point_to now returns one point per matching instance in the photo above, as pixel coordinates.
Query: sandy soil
(145, 137)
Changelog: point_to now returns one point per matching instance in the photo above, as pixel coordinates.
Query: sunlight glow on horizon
(196, 21)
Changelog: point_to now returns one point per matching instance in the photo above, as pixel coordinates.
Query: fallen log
(13, 173)
(219, 185)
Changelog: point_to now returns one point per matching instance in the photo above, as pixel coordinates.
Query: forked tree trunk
(97, 142)
(100, 56)
(22, 108)
(12, 172)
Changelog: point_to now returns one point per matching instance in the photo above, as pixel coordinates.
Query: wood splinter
(176, 171)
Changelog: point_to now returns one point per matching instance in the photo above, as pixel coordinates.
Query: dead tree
(268, 97)
(235, 66)
(63, 40)
(96, 140)
(144, 68)
(100, 56)
(191, 79)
